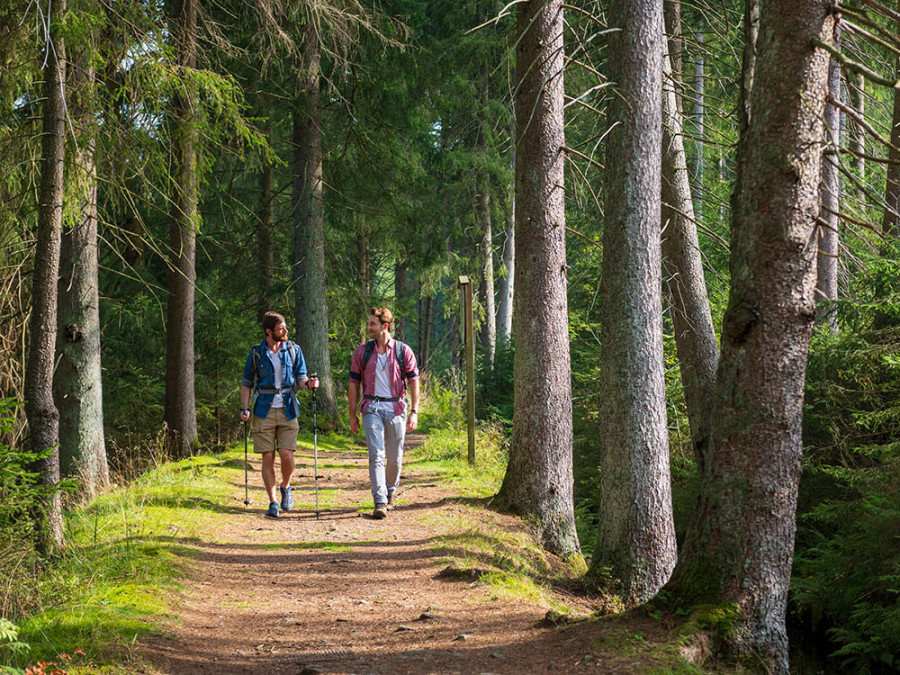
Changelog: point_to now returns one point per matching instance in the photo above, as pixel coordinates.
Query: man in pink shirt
(381, 368)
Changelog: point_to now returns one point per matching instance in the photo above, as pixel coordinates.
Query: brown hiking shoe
(391, 505)
(380, 512)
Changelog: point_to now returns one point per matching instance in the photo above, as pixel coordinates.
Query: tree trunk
(399, 301)
(427, 329)
(830, 195)
(265, 240)
(857, 91)
(636, 538)
(311, 308)
(78, 383)
(672, 17)
(538, 479)
(181, 411)
(504, 313)
(695, 337)
(738, 550)
(698, 115)
(486, 254)
(363, 255)
(890, 224)
(507, 287)
(42, 415)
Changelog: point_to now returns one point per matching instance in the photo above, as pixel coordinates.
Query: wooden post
(469, 337)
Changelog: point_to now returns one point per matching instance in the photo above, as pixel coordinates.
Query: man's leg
(268, 474)
(374, 428)
(287, 444)
(394, 435)
(287, 469)
(287, 466)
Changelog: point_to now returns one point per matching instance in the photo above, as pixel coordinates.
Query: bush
(846, 578)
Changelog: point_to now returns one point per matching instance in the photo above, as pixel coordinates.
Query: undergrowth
(846, 578)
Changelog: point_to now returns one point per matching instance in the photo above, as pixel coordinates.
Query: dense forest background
(318, 157)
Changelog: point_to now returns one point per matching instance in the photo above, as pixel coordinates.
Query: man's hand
(245, 415)
(354, 422)
(412, 421)
(312, 383)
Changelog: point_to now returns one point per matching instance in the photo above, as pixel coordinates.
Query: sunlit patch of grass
(509, 563)
(445, 451)
(305, 545)
(126, 555)
(509, 586)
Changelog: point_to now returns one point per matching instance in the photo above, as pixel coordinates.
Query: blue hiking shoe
(287, 500)
(273, 510)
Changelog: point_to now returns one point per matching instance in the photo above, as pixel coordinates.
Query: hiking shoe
(273, 510)
(380, 512)
(391, 505)
(287, 500)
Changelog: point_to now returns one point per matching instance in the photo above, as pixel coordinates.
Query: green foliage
(127, 550)
(20, 489)
(846, 577)
(494, 385)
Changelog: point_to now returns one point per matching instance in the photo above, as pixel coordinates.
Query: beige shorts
(275, 432)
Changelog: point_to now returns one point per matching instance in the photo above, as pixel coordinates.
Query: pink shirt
(398, 384)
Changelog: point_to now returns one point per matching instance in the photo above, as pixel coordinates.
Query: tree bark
(672, 18)
(364, 256)
(698, 115)
(427, 329)
(507, 287)
(636, 538)
(78, 382)
(830, 196)
(180, 410)
(738, 549)
(857, 91)
(890, 224)
(265, 239)
(42, 415)
(399, 301)
(310, 300)
(538, 479)
(486, 254)
(695, 336)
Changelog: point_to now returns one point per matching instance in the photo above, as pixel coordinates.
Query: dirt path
(349, 594)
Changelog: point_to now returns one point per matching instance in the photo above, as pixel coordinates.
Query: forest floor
(344, 593)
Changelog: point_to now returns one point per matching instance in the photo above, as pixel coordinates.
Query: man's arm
(245, 404)
(412, 420)
(352, 399)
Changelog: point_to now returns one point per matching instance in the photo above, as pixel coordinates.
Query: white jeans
(385, 433)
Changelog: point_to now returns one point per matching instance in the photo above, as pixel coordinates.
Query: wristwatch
(413, 411)
(245, 410)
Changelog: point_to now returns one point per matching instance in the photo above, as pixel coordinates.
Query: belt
(275, 390)
(379, 399)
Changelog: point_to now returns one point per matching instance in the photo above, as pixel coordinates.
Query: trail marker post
(469, 336)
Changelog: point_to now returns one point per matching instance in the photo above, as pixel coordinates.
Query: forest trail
(349, 594)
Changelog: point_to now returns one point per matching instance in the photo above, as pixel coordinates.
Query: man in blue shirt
(273, 372)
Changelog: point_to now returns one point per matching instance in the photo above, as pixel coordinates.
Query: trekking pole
(246, 488)
(315, 449)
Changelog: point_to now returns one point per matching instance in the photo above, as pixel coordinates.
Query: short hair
(384, 315)
(271, 320)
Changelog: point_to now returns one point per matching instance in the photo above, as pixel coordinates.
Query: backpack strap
(255, 359)
(401, 358)
(367, 354)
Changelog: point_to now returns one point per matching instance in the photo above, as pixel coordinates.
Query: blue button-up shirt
(292, 370)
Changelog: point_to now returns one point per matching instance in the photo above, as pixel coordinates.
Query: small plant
(9, 640)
